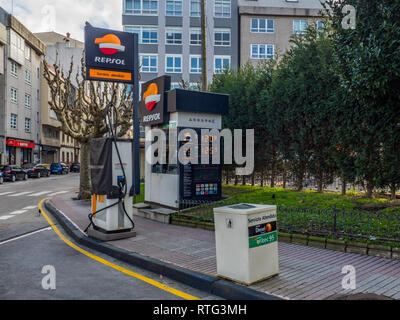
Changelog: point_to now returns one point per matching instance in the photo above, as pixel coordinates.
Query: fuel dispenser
(172, 185)
(111, 177)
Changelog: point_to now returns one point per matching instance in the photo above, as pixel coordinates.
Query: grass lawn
(307, 198)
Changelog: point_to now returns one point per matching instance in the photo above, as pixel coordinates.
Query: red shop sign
(20, 144)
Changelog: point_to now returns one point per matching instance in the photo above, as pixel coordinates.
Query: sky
(64, 16)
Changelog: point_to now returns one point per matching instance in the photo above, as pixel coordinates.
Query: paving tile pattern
(305, 272)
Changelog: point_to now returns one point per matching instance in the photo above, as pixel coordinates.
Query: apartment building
(267, 25)
(55, 146)
(50, 133)
(169, 36)
(20, 85)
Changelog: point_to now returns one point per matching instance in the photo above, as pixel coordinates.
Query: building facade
(55, 146)
(267, 25)
(20, 85)
(50, 133)
(169, 37)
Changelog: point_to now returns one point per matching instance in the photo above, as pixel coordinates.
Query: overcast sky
(64, 16)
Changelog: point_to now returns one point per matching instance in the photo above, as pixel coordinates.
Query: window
(320, 25)
(148, 63)
(53, 115)
(173, 63)
(27, 125)
(262, 51)
(13, 121)
(195, 8)
(16, 47)
(262, 25)
(28, 103)
(28, 53)
(222, 37)
(141, 7)
(195, 64)
(147, 35)
(28, 78)
(173, 36)
(14, 69)
(195, 36)
(195, 86)
(175, 85)
(299, 26)
(222, 8)
(174, 8)
(221, 63)
(14, 95)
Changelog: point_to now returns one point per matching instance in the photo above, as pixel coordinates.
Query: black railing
(347, 223)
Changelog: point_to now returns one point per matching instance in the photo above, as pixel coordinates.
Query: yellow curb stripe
(112, 265)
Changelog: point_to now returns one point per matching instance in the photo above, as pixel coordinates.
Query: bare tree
(81, 107)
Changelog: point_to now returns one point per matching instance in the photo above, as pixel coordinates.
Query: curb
(213, 285)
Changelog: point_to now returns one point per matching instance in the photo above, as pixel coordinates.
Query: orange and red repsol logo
(151, 97)
(109, 45)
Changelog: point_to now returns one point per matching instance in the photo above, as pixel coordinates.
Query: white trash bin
(246, 239)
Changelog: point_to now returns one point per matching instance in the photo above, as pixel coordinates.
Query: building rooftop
(51, 38)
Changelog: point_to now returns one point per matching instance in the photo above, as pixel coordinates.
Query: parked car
(65, 168)
(59, 168)
(1, 178)
(75, 167)
(36, 170)
(13, 173)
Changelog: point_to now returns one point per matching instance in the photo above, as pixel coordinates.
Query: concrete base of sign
(162, 215)
(110, 236)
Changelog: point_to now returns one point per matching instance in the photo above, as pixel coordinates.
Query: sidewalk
(305, 272)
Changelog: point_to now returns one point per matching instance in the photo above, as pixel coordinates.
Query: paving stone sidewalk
(306, 273)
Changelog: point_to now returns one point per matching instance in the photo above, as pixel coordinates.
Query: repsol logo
(152, 117)
(120, 62)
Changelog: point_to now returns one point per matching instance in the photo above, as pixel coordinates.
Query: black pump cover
(101, 165)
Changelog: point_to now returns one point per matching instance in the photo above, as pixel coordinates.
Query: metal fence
(353, 224)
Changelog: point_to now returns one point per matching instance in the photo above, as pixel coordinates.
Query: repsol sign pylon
(109, 55)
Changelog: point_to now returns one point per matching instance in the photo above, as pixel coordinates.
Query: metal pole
(203, 46)
(135, 190)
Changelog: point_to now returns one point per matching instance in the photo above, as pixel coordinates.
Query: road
(28, 244)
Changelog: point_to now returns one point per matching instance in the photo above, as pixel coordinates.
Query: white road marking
(4, 193)
(19, 194)
(30, 208)
(5, 217)
(56, 193)
(25, 235)
(16, 212)
(38, 194)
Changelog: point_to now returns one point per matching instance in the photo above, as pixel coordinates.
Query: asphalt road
(28, 244)
(18, 200)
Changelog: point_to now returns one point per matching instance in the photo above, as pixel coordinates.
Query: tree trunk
(320, 183)
(262, 178)
(300, 180)
(284, 179)
(392, 192)
(243, 180)
(273, 174)
(343, 186)
(236, 180)
(370, 188)
(227, 176)
(253, 177)
(84, 184)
